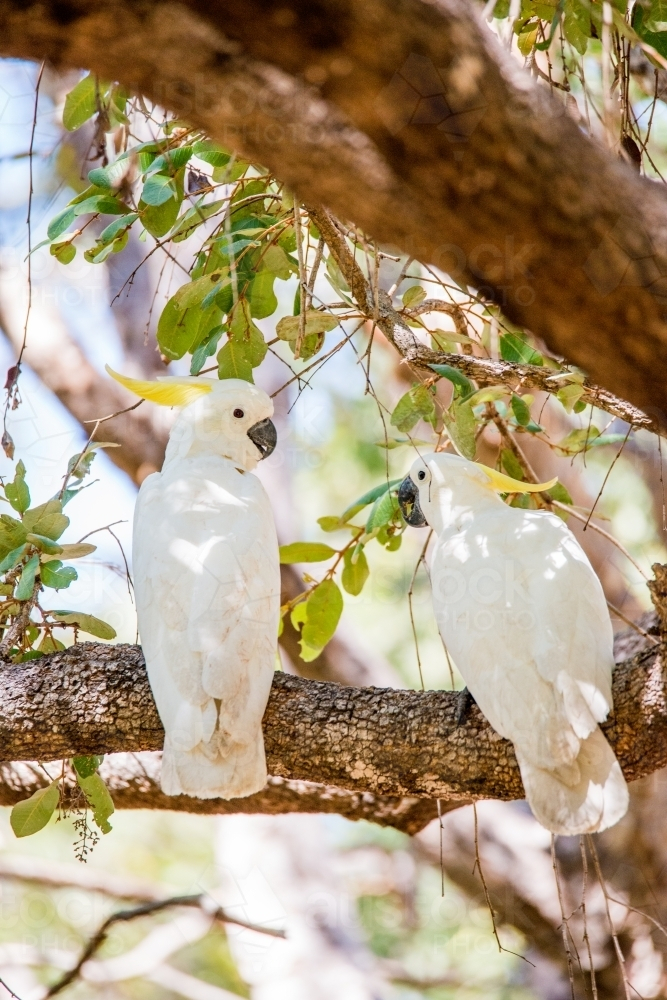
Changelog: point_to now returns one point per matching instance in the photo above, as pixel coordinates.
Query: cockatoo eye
(238, 413)
(421, 474)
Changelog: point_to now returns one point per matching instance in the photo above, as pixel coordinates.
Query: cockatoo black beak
(408, 501)
(264, 437)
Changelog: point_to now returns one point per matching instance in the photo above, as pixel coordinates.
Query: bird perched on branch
(207, 582)
(524, 617)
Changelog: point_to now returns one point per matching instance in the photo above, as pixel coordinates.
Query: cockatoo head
(227, 417)
(441, 487)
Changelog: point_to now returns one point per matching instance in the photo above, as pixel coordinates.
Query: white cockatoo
(207, 583)
(523, 616)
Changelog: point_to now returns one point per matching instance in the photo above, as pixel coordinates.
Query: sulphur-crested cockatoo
(524, 618)
(207, 582)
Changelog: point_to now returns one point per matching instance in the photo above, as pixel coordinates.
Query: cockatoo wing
(523, 615)
(208, 593)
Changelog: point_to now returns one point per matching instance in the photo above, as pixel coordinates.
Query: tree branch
(94, 698)
(425, 133)
(483, 370)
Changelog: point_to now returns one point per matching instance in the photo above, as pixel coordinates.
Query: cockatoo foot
(464, 703)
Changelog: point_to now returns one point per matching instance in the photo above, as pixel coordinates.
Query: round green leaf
(324, 608)
(33, 814)
(355, 570)
(299, 552)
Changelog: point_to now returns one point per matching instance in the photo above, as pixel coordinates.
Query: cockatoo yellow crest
(207, 582)
(525, 620)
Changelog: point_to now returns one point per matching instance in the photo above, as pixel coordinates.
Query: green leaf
(60, 222)
(174, 336)
(49, 645)
(193, 218)
(490, 394)
(461, 427)
(158, 189)
(262, 298)
(63, 252)
(323, 611)
(299, 552)
(86, 623)
(12, 534)
(109, 177)
(369, 497)
(99, 800)
(233, 361)
(159, 219)
(33, 814)
(117, 227)
(316, 322)
(77, 550)
(17, 491)
(85, 766)
(384, 510)
(53, 574)
(12, 558)
(27, 582)
(246, 333)
(646, 24)
(570, 395)
(560, 493)
(330, 523)
(44, 544)
(80, 103)
(355, 570)
(413, 296)
(511, 464)
(206, 349)
(513, 348)
(417, 404)
(210, 152)
(47, 519)
(520, 409)
(578, 440)
(278, 263)
(457, 378)
(104, 204)
(577, 25)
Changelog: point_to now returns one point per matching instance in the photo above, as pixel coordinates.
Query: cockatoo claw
(464, 703)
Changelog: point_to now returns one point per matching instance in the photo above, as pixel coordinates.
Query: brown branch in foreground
(94, 698)
(483, 371)
(201, 901)
(134, 782)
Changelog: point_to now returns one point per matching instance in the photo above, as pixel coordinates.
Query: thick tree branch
(483, 370)
(428, 137)
(94, 698)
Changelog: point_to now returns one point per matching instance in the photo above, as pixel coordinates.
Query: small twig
(604, 482)
(564, 924)
(422, 554)
(617, 947)
(97, 940)
(442, 860)
(118, 413)
(478, 866)
(633, 625)
(9, 990)
(303, 284)
(584, 865)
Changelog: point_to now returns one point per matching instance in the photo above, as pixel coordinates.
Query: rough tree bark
(94, 698)
(423, 132)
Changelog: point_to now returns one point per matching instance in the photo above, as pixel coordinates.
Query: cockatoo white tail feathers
(207, 582)
(524, 618)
